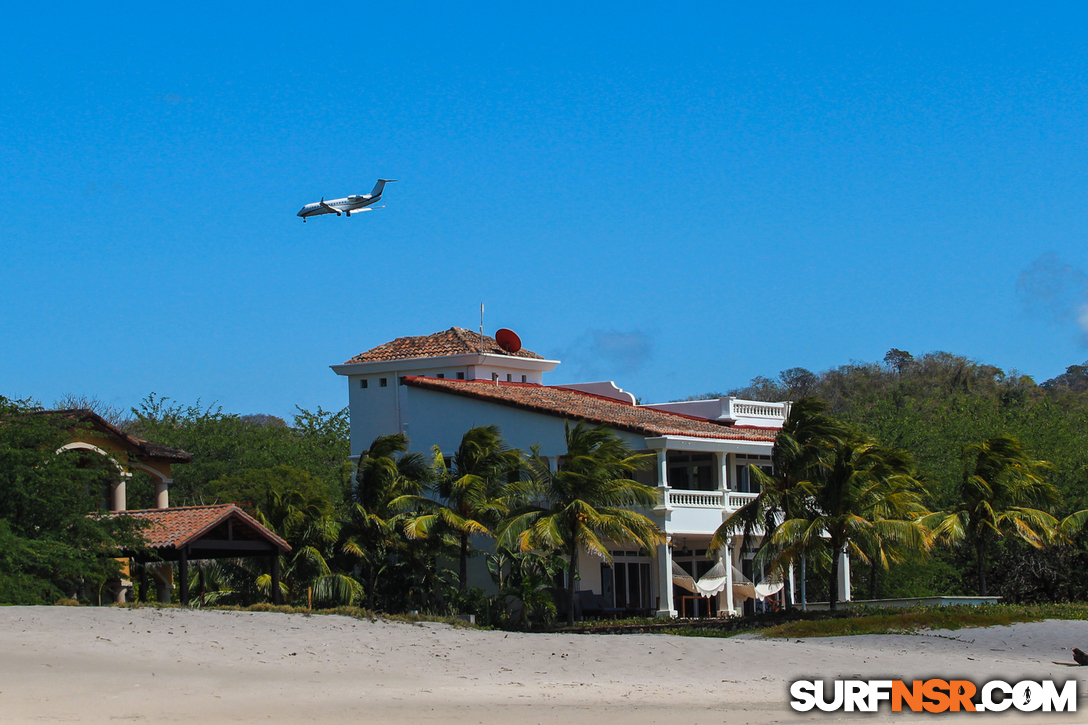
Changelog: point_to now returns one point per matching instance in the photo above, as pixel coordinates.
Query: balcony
(732, 500)
(699, 511)
(730, 410)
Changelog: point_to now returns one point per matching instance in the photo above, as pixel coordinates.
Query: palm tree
(385, 473)
(526, 577)
(309, 527)
(864, 502)
(583, 504)
(469, 495)
(799, 449)
(999, 493)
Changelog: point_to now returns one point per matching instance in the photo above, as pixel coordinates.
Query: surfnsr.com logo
(933, 695)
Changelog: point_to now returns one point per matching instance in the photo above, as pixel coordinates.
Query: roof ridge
(183, 508)
(445, 343)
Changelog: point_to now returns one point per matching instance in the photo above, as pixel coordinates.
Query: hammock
(715, 581)
(710, 584)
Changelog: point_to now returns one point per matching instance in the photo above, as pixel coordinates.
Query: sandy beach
(92, 665)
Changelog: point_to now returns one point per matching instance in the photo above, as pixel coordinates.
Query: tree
(864, 502)
(307, 524)
(469, 494)
(799, 450)
(1001, 487)
(385, 473)
(50, 542)
(898, 360)
(582, 505)
(225, 444)
(526, 577)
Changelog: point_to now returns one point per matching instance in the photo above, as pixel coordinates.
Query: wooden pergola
(188, 533)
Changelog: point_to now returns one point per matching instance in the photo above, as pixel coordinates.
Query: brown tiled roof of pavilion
(174, 528)
(147, 448)
(454, 341)
(595, 409)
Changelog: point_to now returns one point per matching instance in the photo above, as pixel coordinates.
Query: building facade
(436, 387)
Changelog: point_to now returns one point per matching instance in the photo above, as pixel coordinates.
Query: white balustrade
(772, 413)
(738, 499)
(709, 499)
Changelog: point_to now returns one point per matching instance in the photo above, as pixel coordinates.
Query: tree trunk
(804, 584)
(371, 582)
(463, 571)
(833, 593)
(572, 573)
(980, 564)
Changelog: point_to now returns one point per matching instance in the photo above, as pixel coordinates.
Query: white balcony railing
(701, 499)
(706, 499)
(738, 499)
(754, 409)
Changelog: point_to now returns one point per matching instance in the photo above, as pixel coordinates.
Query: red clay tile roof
(147, 448)
(173, 528)
(577, 405)
(454, 341)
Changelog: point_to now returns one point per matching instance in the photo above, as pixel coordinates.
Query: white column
(723, 466)
(162, 493)
(844, 577)
(662, 468)
(118, 501)
(793, 589)
(727, 552)
(665, 606)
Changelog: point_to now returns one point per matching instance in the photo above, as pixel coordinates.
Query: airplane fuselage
(346, 205)
(332, 206)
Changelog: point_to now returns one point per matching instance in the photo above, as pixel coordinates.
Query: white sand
(103, 664)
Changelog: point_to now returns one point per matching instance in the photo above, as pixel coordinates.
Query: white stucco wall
(435, 418)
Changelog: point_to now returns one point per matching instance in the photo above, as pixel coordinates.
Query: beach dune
(91, 665)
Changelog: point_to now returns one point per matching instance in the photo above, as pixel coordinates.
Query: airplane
(355, 203)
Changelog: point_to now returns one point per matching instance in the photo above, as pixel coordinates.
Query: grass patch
(918, 619)
(356, 612)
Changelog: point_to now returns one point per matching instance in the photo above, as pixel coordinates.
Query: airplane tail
(377, 190)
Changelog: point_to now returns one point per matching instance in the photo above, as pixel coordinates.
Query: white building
(434, 388)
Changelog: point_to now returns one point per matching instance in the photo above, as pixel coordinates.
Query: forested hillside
(934, 405)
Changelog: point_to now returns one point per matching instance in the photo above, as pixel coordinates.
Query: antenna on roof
(481, 328)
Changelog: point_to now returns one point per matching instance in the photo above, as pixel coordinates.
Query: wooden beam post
(277, 596)
(183, 574)
(143, 598)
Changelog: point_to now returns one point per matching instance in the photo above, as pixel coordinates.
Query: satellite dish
(508, 340)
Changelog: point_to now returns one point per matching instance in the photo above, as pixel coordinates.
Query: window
(362, 384)
(460, 376)
(441, 376)
(523, 379)
(383, 382)
(692, 471)
(494, 377)
(509, 378)
(745, 484)
(626, 584)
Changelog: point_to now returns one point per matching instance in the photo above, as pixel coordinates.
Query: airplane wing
(326, 207)
(366, 208)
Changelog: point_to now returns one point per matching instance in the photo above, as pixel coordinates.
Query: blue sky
(677, 200)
